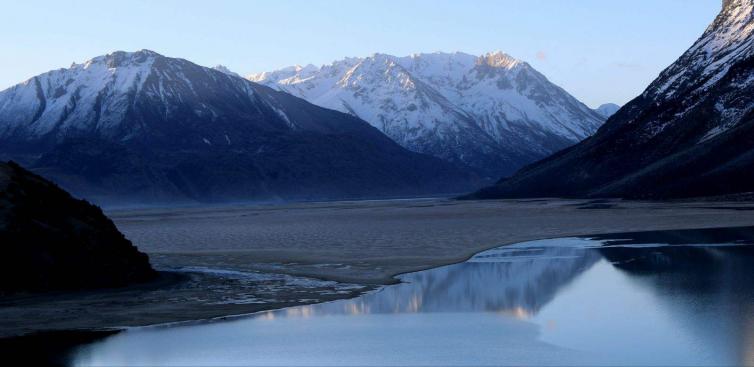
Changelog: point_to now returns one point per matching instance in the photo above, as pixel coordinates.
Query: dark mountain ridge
(691, 133)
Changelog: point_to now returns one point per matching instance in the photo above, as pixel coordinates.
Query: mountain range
(690, 133)
(139, 126)
(492, 113)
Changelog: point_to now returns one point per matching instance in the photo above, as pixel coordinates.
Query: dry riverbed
(239, 259)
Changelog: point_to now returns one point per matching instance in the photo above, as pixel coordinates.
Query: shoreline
(207, 296)
(59, 344)
(379, 240)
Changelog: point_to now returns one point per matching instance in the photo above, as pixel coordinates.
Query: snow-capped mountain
(491, 112)
(148, 126)
(224, 69)
(607, 109)
(690, 133)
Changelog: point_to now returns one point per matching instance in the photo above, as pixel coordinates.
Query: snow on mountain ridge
(726, 39)
(492, 108)
(224, 69)
(141, 126)
(55, 95)
(97, 94)
(688, 134)
(499, 59)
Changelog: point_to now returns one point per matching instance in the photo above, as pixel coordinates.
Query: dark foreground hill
(51, 241)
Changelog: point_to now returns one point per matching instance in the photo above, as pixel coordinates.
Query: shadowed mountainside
(143, 127)
(691, 133)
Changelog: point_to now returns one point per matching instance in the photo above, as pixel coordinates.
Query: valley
(235, 260)
(440, 208)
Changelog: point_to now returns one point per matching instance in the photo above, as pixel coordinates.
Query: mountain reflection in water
(611, 300)
(510, 280)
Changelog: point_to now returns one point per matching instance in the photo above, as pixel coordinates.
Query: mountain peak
(96, 94)
(607, 109)
(122, 59)
(381, 58)
(729, 37)
(418, 55)
(133, 54)
(197, 133)
(143, 53)
(731, 3)
(499, 59)
(688, 134)
(223, 69)
(734, 16)
(307, 67)
(455, 106)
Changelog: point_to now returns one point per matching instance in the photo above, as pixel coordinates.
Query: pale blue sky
(599, 50)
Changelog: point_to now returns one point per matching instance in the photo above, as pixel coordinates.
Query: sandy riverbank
(219, 250)
(370, 242)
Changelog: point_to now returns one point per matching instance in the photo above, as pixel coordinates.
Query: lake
(613, 300)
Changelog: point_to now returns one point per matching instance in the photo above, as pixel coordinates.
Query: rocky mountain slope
(493, 113)
(51, 241)
(143, 127)
(691, 133)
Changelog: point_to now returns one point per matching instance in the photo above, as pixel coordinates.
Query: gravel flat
(233, 260)
(371, 241)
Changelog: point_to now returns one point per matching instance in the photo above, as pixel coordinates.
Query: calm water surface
(553, 302)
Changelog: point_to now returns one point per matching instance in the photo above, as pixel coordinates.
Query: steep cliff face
(691, 133)
(51, 241)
